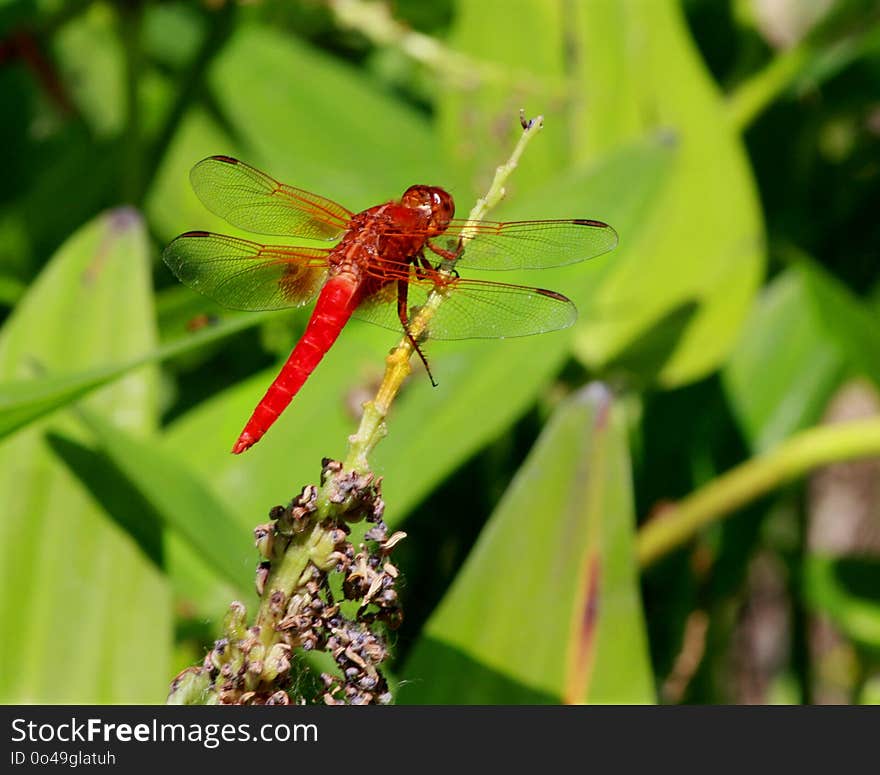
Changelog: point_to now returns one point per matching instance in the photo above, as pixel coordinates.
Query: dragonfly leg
(446, 255)
(425, 270)
(403, 314)
(423, 267)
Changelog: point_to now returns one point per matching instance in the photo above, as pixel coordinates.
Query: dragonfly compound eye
(436, 203)
(442, 209)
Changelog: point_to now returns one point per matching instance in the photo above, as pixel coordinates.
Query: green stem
(790, 460)
(375, 22)
(313, 545)
(755, 94)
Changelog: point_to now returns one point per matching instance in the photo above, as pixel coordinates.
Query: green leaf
(478, 121)
(80, 601)
(632, 70)
(704, 241)
(182, 501)
(332, 131)
(11, 290)
(804, 336)
(484, 386)
(91, 58)
(326, 128)
(172, 205)
(785, 367)
(26, 400)
(547, 605)
(848, 319)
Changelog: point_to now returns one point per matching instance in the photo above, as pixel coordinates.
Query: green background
(734, 149)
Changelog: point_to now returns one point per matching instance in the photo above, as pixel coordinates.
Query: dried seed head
(264, 537)
(393, 541)
(304, 613)
(262, 576)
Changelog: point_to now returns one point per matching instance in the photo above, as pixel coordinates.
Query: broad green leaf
(171, 203)
(81, 602)
(704, 241)
(91, 57)
(547, 605)
(632, 69)
(846, 590)
(806, 334)
(486, 385)
(483, 386)
(524, 66)
(25, 400)
(200, 593)
(785, 366)
(329, 129)
(848, 319)
(183, 501)
(11, 290)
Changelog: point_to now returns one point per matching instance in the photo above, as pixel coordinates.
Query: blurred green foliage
(735, 151)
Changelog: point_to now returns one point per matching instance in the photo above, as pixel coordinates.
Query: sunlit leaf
(337, 134)
(773, 401)
(182, 501)
(633, 69)
(522, 64)
(848, 319)
(91, 58)
(23, 401)
(806, 334)
(81, 601)
(547, 605)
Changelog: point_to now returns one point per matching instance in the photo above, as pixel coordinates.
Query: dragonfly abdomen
(334, 307)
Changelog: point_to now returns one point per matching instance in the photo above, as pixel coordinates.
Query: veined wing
(475, 310)
(527, 244)
(241, 274)
(254, 201)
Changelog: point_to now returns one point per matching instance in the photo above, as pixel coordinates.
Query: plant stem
(375, 22)
(790, 460)
(313, 545)
(755, 94)
(397, 364)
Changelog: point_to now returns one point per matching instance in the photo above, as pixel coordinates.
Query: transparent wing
(241, 274)
(527, 244)
(476, 310)
(254, 201)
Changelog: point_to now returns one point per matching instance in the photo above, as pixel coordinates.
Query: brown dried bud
(264, 537)
(262, 576)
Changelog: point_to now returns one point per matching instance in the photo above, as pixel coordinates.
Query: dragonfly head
(435, 203)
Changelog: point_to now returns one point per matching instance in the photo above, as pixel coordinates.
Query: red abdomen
(338, 299)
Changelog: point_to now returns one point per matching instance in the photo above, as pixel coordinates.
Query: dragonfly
(386, 261)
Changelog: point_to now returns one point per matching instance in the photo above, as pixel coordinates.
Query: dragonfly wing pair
(242, 274)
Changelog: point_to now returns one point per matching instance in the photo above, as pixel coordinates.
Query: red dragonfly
(385, 263)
